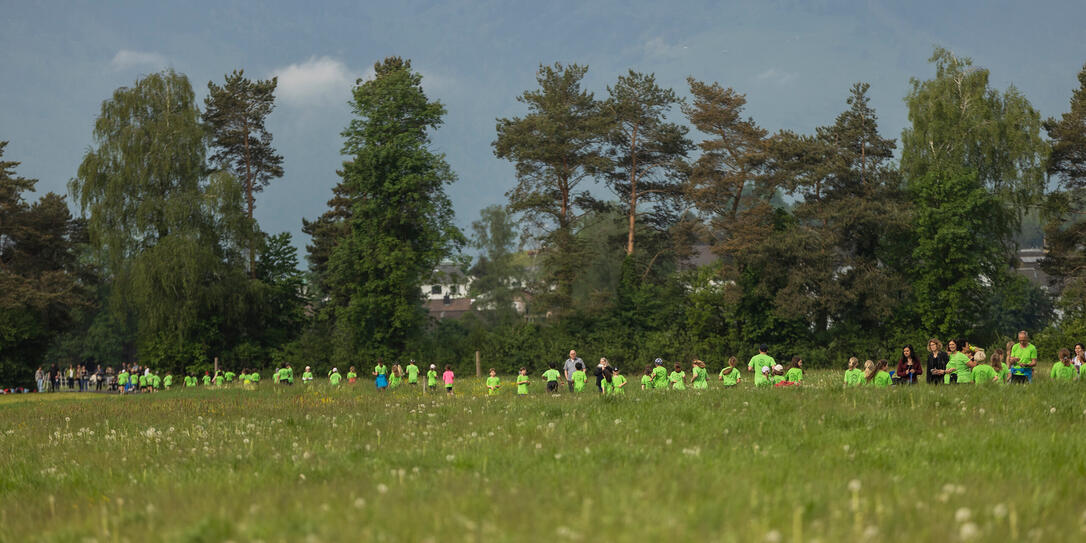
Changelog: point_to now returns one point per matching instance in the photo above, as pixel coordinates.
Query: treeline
(639, 224)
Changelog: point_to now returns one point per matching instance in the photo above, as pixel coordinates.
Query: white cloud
(322, 80)
(658, 48)
(774, 75)
(125, 59)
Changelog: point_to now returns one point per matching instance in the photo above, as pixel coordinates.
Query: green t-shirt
(776, 379)
(1060, 372)
(207, 380)
(492, 384)
(142, 380)
(156, 381)
(678, 380)
(579, 378)
(551, 375)
(983, 374)
(122, 378)
(1004, 375)
(380, 369)
(759, 360)
(522, 384)
(646, 382)
(394, 380)
(190, 381)
(431, 378)
(700, 378)
(167, 381)
(289, 375)
(659, 377)
(1025, 354)
(794, 375)
(761, 380)
(854, 377)
(412, 373)
(882, 380)
(306, 376)
(219, 379)
(352, 375)
(254, 377)
(618, 383)
(230, 376)
(731, 378)
(960, 363)
(335, 378)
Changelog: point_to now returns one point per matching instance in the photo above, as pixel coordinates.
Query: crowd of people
(958, 363)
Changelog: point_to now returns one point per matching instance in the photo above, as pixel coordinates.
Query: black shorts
(552, 386)
(1020, 379)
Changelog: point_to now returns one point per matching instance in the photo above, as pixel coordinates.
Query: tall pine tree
(401, 222)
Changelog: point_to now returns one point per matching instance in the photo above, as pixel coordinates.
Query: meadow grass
(818, 463)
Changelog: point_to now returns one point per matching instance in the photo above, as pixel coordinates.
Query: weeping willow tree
(168, 231)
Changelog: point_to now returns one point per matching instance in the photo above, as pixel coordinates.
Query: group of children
(613, 382)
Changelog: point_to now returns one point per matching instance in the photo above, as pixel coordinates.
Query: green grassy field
(310, 463)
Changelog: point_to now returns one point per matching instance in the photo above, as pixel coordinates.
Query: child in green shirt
(229, 376)
(983, 374)
(730, 374)
(307, 376)
(522, 382)
(646, 379)
(1063, 371)
(335, 378)
(677, 378)
(761, 379)
(579, 378)
(700, 380)
(659, 375)
(618, 383)
(778, 374)
(882, 377)
(552, 376)
(412, 373)
(493, 383)
(396, 378)
(431, 378)
(854, 376)
(219, 379)
(795, 371)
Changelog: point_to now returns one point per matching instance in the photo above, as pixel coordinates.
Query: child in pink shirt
(448, 378)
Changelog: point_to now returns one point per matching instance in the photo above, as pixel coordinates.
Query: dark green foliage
(399, 225)
(42, 291)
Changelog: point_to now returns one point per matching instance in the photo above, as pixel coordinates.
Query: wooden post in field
(478, 365)
(216, 365)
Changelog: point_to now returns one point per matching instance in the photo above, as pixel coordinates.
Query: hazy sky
(795, 61)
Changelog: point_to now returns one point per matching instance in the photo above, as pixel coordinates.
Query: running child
(677, 378)
(700, 379)
(659, 375)
(493, 383)
(352, 376)
(729, 376)
(552, 376)
(396, 377)
(448, 377)
(579, 377)
(380, 375)
(646, 378)
(207, 379)
(618, 383)
(431, 378)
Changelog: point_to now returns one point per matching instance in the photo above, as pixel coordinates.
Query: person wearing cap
(412, 373)
(761, 378)
(335, 378)
(659, 374)
(431, 378)
(307, 375)
(778, 374)
(761, 359)
(570, 367)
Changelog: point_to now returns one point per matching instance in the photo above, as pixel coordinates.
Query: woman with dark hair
(937, 359)
(1080, 357)
(908, 366)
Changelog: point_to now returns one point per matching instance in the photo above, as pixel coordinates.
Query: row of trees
(821, 243)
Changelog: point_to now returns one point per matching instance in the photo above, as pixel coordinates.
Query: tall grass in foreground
(287, 464)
